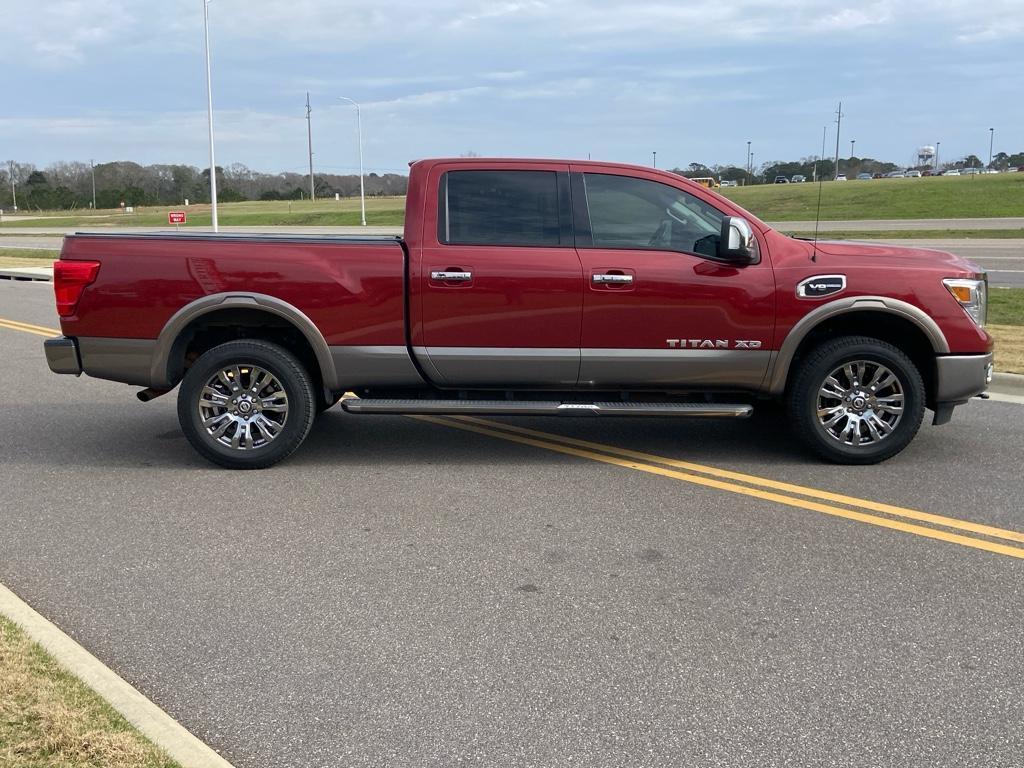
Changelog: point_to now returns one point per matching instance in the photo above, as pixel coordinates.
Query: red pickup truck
(529, 287)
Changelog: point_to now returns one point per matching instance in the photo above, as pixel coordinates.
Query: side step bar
(543, 408)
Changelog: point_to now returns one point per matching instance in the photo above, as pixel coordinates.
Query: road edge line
(155, 724)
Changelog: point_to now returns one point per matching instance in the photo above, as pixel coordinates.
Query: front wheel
(856, 400)
(246, 404)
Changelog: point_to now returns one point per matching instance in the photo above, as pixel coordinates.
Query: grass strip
(50, 718)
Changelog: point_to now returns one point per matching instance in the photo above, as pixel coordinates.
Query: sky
(693, 81)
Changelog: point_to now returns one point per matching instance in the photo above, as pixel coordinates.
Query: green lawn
(928, 198)
(1006, 306)
(936, 197)
(907, 234)
(380, 211)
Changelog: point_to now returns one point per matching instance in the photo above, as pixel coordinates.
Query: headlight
(972, 295)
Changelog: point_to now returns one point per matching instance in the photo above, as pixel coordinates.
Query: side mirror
(737, 244)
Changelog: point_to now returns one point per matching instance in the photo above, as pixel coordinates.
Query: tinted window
(634, 213)
(499, 208)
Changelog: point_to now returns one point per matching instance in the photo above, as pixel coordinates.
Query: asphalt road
(409, 593)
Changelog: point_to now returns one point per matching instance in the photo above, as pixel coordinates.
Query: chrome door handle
(458, 277)
(619, 279)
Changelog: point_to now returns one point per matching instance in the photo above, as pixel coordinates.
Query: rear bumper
(125, 360)
(961, 377)
(62, 355)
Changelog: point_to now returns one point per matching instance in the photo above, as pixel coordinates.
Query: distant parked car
(971, 171)
(951, 172)
(912, 174)
(863, 177)
(895, 175)
(1020, 169)
(878, 176)
(781, 180)
(728, 183)
(798, 179)
(841, 177)
(929, 172)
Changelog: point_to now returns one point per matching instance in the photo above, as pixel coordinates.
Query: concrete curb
(1007, 383)
(27, 273)
(159, 727)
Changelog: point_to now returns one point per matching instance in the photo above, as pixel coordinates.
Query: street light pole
(991, 137)
(852, 142)
(209, 112)
(654, 159)
(92, 168)
(359, 130)
(748, 158)
(937, 145)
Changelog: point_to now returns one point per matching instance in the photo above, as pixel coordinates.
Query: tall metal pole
(839, 122)
(309, 134)
(359, 130)
(991, 138)
(748, 158)
(14, 192)
(937, 145)
(209, 112)
(92, 168)
(852, 142)
(654, 159)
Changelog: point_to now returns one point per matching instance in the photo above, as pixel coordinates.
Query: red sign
(175, 217)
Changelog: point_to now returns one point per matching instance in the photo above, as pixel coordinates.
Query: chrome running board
(543, 408)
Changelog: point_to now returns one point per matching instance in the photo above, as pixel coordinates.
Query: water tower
(926, 155)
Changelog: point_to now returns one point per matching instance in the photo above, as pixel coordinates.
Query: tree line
(815, 167)
(69, 185)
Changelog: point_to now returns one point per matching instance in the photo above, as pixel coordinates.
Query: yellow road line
(38, 330)
(883, 522)
(764, 482)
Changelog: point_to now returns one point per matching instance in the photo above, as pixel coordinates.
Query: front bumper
(961, 377)
(62, 355)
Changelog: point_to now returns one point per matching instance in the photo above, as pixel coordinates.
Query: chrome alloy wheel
(860, 403)
(243, 407)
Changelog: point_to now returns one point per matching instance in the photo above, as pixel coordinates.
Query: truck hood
(854, 253)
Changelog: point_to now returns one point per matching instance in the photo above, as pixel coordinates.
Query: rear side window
(499, 208)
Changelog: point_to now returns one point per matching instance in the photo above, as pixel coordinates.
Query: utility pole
(852, 142)
(654, 159)
(14, 193)
(748, 158)
(937, 144)
(92, 168)
(309, 136)
(839, 122)
(991, 138)
(209, 112)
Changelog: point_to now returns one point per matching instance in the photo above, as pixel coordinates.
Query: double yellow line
(948, 529)
(38, 330)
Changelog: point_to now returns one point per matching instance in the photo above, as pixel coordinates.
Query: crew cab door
(499, 286)
(660, 309)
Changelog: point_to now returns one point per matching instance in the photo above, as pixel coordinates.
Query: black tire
(802, 401)
(300, 405)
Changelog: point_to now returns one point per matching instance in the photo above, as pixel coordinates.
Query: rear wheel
(856, 400)
(246, 404)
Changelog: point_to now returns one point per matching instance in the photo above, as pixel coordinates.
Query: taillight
(69, 280)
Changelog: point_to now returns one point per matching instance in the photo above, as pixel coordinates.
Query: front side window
(635, 213)
(499, 208)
